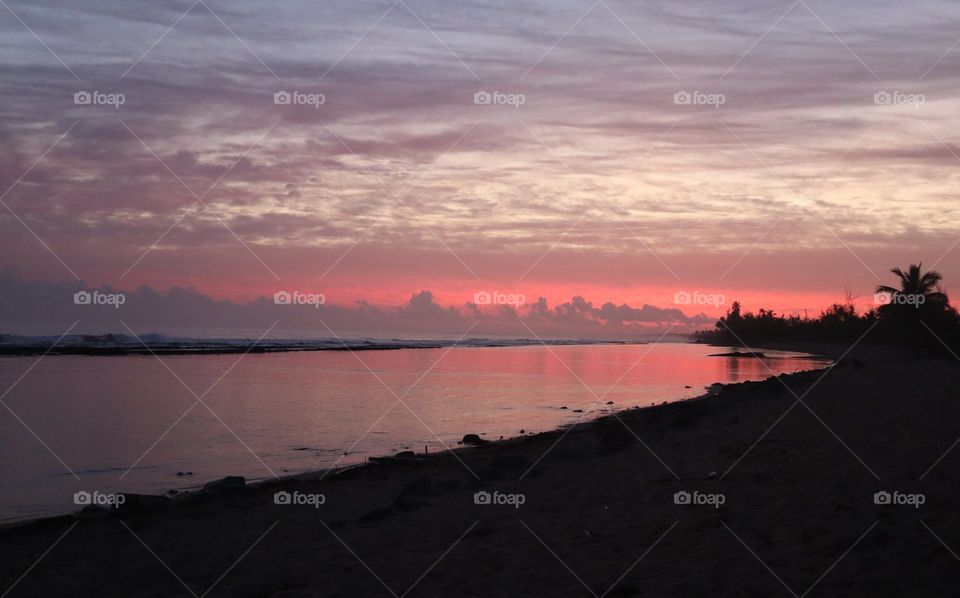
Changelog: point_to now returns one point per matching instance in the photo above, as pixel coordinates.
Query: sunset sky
(819, 150)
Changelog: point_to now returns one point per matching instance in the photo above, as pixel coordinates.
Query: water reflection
(289, 412)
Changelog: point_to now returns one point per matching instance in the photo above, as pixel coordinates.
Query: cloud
(49, 307)
(399, 162)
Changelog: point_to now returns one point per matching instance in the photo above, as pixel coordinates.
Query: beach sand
(598, 513)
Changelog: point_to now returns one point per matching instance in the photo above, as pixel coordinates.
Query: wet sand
(786, 491)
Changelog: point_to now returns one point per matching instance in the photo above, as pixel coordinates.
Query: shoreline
(382, 461)
(791, 486)
(191, 492)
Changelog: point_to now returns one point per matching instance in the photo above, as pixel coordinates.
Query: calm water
(126, 423)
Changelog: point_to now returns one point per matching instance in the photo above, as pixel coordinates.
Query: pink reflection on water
(290, 412)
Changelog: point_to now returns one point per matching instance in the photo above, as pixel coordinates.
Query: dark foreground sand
(598, 516)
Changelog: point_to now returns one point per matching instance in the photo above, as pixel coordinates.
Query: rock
(473, 440)
(228, 484)
(609, 402)
(564, 407)
(406, 454)
(751, 354)
(714, 389)
(578, 410)
(522, 431)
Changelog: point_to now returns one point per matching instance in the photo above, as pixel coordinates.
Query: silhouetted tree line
(918, 313)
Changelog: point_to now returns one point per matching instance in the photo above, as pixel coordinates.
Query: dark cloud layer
(51, 308)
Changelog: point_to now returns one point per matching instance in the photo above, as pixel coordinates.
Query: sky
(596, 167)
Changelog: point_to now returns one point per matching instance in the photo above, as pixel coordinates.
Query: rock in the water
(714, 388)
(473, 439)
(405, 454)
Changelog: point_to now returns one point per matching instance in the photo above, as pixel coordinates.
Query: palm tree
(919, 312)
(917, 289)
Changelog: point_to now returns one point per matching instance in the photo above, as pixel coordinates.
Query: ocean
(149, 424)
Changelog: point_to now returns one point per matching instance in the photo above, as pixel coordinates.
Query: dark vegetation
(916, 313)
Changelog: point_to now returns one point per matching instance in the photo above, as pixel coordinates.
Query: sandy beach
(776, 497)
